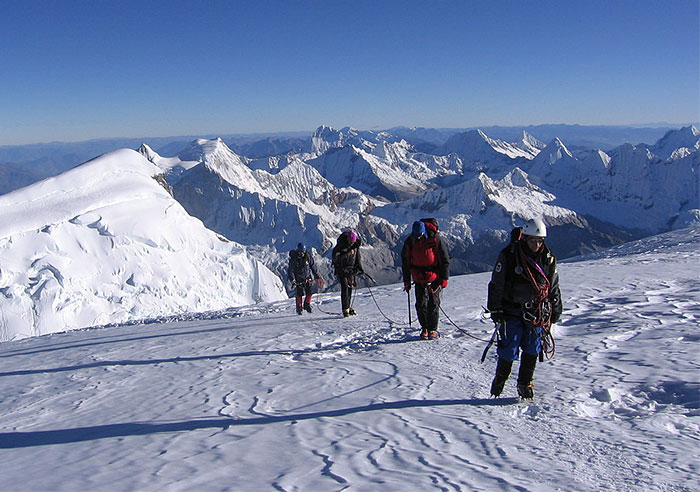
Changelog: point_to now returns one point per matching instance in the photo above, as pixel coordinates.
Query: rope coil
(539, 314)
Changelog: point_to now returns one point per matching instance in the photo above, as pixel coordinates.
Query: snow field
(259, 398)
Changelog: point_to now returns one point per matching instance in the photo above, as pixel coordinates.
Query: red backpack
(423, 255)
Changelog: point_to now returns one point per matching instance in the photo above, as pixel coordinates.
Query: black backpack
(300, 262)
(431, 220)
(428, 230)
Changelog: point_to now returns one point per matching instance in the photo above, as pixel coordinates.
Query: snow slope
(105, 243)
(258, 398)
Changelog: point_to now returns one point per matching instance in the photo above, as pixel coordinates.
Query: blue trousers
(518, 335)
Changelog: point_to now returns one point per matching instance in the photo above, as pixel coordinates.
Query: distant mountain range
(25, 164)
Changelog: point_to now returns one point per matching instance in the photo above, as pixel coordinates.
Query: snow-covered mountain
(106, 243)
(555, 159)
(481, 153)
(482, 203)
(393, 170)
(39, 161)
(631, 187)
(373, 174)
(269, 212)
(261, 399)
(677, 143)
(326, 137)
(476, 216)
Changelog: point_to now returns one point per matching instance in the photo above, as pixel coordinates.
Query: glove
(444, 283)
(407, 286)
(293, 284)
(497, 316)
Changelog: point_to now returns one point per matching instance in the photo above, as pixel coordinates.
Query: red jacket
(425, 259)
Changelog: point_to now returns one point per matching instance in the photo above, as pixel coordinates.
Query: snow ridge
(106, 243)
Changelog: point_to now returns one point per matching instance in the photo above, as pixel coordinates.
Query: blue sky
(76, 70)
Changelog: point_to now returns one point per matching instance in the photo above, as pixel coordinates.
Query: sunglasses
(535, 240)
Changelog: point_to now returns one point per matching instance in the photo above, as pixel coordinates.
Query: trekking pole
(408, 292)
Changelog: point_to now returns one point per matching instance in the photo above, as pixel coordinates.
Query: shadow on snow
(10, 440)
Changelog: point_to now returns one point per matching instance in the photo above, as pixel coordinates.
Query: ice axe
(493, 339)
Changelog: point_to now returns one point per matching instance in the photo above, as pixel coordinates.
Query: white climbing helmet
(536, 228)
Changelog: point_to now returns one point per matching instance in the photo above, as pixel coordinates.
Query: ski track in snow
(262, 399)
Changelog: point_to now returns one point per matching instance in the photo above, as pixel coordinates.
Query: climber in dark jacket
(524, 299)
(347, 264)
(301, 273)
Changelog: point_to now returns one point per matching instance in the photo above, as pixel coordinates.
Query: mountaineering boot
(432, 334)
(300, 310)
(502, 372)
(352, 312)
(525, 391)
(525, 375)
(307, 307)
(424, 334)
(346, 313)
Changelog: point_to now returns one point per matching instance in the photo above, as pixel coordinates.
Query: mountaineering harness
(538, 312)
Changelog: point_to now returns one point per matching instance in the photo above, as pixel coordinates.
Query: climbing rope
(539, 314)
(318, 305)
(391, 321)
(461, 329)
(318, 300)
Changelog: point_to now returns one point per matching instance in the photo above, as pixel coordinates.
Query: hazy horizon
(309, 132)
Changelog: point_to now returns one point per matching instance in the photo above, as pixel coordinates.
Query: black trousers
(428, 306)
(346, 285)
